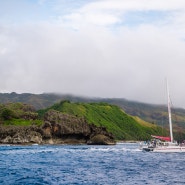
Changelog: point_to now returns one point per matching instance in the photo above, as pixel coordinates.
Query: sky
(94, 48)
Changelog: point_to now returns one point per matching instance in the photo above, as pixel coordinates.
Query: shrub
(7, 114)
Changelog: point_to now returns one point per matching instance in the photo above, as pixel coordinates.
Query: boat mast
(169, 112)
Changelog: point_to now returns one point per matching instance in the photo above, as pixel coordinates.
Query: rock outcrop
(58, 128)
(20, 134)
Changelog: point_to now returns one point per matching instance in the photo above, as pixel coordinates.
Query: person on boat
(155, 142)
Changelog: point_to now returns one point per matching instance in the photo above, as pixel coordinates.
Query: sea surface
(84, 164)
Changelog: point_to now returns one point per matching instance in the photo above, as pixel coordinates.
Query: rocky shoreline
(57, 128)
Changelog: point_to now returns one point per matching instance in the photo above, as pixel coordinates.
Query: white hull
(164, 149)
(169, 149)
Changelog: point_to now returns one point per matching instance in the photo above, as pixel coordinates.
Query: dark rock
(60, 124)
(101, 140)
(20, 135)
(58, 128)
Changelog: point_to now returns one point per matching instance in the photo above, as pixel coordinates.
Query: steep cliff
(58, 128)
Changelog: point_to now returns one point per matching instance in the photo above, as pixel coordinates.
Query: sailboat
(161, 143)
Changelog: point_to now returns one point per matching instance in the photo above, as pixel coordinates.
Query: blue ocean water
(83, 164)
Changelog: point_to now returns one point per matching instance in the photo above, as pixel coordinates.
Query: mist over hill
(156, 114)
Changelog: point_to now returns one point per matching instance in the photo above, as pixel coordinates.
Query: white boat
(161, 143)
(158, 145)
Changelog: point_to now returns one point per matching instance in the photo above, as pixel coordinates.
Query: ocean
(120, 164)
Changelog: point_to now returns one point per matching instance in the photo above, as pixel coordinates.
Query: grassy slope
(112, 117)
(151, 113)
(16, 112)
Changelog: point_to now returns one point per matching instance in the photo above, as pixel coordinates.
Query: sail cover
(162, 138)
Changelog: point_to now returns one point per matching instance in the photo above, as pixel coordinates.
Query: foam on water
(83, 164)
(123, 149)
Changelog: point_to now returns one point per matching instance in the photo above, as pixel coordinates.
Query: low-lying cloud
(90, 53)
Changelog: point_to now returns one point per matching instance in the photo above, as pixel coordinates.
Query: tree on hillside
(7, 114)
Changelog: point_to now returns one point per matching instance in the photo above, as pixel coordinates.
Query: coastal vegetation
(140, 119)
(155, 114)
(114, 119)
(18, 114)
(111, 117)
(20, 124)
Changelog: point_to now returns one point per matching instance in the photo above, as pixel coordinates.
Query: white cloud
(102, 56)
(3, 51)
(108, 12)
(137, 5)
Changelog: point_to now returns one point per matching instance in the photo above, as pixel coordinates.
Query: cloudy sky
(96, 48)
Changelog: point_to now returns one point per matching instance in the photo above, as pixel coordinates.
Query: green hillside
(156, 114)
(18, 114)
(151, 113)
(123, 126)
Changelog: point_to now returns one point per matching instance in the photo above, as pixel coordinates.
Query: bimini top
(162, 138)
